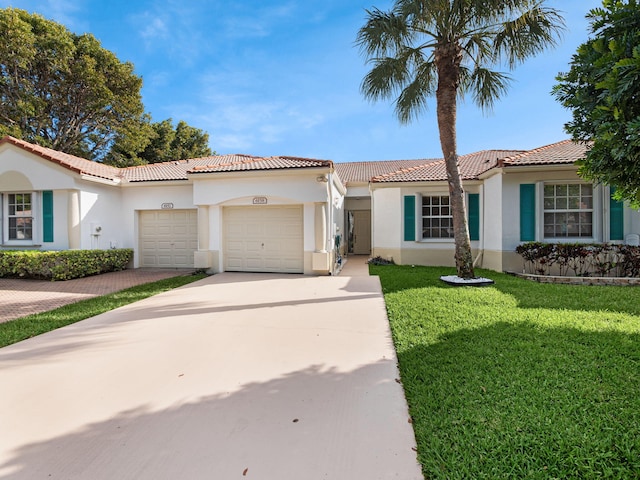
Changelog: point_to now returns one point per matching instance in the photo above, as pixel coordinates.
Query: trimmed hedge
(580, 259)
(62, 265)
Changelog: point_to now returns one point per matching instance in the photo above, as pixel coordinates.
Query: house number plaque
(166, 206)
(259, 200)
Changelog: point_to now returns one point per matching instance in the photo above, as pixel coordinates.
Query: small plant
(380, 261)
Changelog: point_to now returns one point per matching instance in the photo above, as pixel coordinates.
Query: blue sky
(267, 77)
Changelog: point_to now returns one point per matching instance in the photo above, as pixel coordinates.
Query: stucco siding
(102, 206)
(492, 213)
(277, 189)
(386, 211)
(41, 174)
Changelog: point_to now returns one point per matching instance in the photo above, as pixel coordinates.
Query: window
(437, 221)
(568, 210)
(20, 216)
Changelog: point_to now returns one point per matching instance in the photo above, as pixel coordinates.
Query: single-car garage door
(263, 239)
(168, 238)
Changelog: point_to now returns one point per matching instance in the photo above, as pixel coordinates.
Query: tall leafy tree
(62, 90)
(159, 142)
(190, 142)
(602, 91)
(450, 48)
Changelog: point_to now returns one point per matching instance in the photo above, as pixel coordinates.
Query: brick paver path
(20, 297)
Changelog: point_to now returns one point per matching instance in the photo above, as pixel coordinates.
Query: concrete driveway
(236, 376)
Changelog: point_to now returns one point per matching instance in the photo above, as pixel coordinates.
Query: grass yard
(32, 325)
(520, 379)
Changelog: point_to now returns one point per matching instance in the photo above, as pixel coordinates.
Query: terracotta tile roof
(173, 170)
(180, 169)
(239, 163)
(471, 166)
(167, 171)
(363, 172)
(76, 164)
(420, 170)
(565, 152)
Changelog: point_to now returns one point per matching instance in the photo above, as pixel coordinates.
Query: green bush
(62, 265)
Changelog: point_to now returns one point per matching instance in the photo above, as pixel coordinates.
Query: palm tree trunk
(448, 65)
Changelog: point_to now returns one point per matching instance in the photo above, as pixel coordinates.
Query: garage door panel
(254, 230)
(254, 248)
(254, 264)
(264, 239)
(168, 238)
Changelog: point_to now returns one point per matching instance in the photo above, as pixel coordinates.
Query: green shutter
(47, 216)
(410, 218)
(527, 212)
(474, 216)
(616, 218)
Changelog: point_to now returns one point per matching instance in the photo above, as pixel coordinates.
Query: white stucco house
(297, 215)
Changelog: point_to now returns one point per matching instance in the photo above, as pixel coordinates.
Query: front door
(361, 232)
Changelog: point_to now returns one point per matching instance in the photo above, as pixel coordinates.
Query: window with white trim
(21, 213)
(20, 216)
(437, 220)
(568, 210)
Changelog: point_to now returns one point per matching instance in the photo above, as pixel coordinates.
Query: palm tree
(450, 47)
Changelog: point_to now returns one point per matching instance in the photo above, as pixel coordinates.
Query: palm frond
(486, 86)
(383, 34)
(387, 77)
(413, 99)
(528, 34)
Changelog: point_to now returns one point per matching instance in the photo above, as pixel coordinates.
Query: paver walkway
(20, 297)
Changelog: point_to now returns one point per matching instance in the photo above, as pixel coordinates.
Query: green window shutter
(47, 216)
(474, 216)
(410, 218)
(616, 218)
(527, 212)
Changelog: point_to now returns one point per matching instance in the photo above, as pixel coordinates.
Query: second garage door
(168, 238)
(264, 239)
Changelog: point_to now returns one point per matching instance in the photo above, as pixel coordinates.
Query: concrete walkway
(258, 376)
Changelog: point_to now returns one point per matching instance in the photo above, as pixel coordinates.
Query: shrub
(580, 259)
(380, 261)
(62, 265)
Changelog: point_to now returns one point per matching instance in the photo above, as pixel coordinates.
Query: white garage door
(263, 239)
(168, 238)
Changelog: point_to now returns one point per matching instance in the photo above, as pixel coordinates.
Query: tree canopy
(159, 142)
(601, 89)
(67, 92)
(449, 49)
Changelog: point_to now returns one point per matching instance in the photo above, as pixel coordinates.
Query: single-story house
(299, 215)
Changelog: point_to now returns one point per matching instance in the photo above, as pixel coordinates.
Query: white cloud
(230, 143)
(257, 22)
(152, 27)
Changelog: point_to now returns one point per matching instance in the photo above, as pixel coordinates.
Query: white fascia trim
(261, 173)
(103, 181)
(436, 183)
(156, 183)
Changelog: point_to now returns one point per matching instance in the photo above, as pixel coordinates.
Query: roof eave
(266, 171)
(101, 180)
(155, 182)
(536, 167)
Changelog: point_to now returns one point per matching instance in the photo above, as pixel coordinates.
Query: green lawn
(520, 379)
(32, 325)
